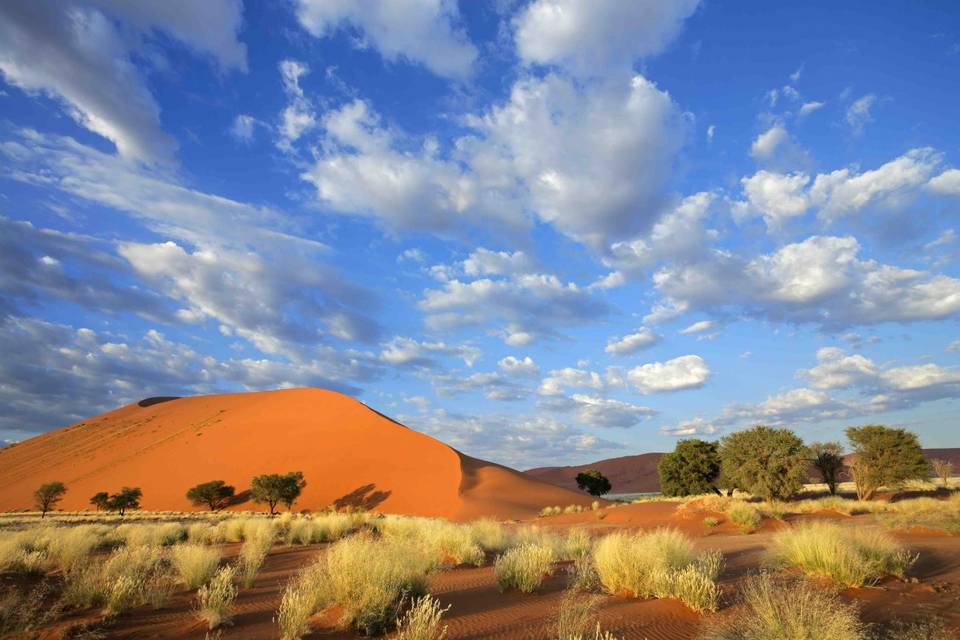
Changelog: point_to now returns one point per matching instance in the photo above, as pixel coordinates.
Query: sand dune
(349, 454)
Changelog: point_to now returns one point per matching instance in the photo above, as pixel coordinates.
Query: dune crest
(350, 454)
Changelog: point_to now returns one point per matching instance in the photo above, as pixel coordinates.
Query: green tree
(47, 496)
(593, 482)
(277, 488)
(767, 462)
(100, 500)
(692, 468)
(827, 458)
(215, 494)
(884, 456)
(127, 499)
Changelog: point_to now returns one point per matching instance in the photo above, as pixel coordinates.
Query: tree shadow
(364, 497)
(239, 498)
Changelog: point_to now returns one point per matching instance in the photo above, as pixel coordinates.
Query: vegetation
(422, 621)
(194, 563)
(215, 599)
(691, 468)
(943, 469)
(593, 482)
(780, 609)
(277, 488)
(744, 516)
(254, 551)
(215, 494)
(767, 462)
(100, 500)
(828, 461)
(851, 557)
(576, 618)
(884, 456)
(523, 567)
(658, 564)
(128, 498)
(48, 495)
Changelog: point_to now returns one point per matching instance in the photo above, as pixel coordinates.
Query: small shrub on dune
(215, 598)
(422, 621)
(252, 555)
(745, 517)
(658, 564)
(302, 596)
(575, 619)
(523, 567)
(852, 557)
(194, 563)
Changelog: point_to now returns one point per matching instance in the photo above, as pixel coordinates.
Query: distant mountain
(638, 474)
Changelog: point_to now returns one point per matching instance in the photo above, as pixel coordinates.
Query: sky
(545, 232)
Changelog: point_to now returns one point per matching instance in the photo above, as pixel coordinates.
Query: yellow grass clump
(215, 598)
(422, 621)
(259, 540)
(194, 563)
(523, 567)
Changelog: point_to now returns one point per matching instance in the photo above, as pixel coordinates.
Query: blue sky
(544, 232)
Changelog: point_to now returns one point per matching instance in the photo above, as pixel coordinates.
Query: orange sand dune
(349, 454)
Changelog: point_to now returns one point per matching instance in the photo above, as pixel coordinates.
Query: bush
(828, 461)
(767, 462)
(593, 482)
(194, 563)
(943, 469)
(422, 621)
(215, 598)
(744, 516)
(691, 468)
(884, 456)
(658, 564)
(852, 557)
(215, 494)
(277, 488)
(775, 609)
(523, 567)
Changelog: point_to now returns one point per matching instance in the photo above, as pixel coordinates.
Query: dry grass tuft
(523, 567)
(422, 621)
(253, 553)
(215, 598)
(194, 563)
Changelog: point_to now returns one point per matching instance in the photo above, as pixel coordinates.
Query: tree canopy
(100, 500)
(127, 498)
(593, 482)
(277, 488)
(827, 459)
(767, 462)
(215, 494)
(48, 495)
(690, 469)
(884, 456)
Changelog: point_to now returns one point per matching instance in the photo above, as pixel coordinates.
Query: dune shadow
(365, 497)
(149, 402)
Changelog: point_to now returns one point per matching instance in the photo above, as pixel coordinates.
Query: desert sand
(349, 454)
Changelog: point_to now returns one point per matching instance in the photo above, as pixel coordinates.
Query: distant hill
(638, 474)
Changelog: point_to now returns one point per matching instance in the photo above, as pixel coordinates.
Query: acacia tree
(100, 500)
(767, 462)
(884, 456)
(693, 467)
(48, 495)
(215, 494)
(277, 488)
(126, 499)
(828, 460)
(943, 469)
(593, 482)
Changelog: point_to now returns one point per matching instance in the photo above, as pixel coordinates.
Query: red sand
(349, 454)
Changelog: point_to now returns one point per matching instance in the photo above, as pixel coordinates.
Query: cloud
(947, 183)
(243, 128)
(407, 352)
(419, 31)
(809, 107)
(858, 113)
(775, 147)
(298, 117)
(698, 327)
(685, 372)
(513, 366)
(605, 412)
(74, 53)
(568, 377)
(687, 428)
(601, 37)
(632, 343)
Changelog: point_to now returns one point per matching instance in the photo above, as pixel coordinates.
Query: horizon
(541, 235)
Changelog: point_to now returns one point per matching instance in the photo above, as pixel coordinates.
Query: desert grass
(150, 535)
(523, 567)
(850, 556)
(130, 577)
(23, 612)
(923, 630)
(422, 621)
(490, 535)
(194, 563)
(445, 541)
(68, 547)
(658, 564)
(583, 574)
(746, 517)
(259, 541)
(576, 618)
(215, 598)
(301, 598)
(778, 609)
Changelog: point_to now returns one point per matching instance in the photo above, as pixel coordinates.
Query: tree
(828, 460)
(100, 500)
(128, 498)
(693, 467)
(943, 469)
(593, 482)
(275, 488)
(215, 494)
(48, 495)
(884, 456)
(767, 462)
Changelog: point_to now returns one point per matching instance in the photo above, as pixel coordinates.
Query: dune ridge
(350, 454)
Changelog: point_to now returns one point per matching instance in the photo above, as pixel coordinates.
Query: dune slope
(349, 454)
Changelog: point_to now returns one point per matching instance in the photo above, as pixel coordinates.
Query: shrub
(47, 496)
(852, 557)
(194, 563)
(744, 516)
(277, 488)
(828, 461)
(690, 469)
(593, 482)
(215, 598)
(943, 469)
(775, 609)
(711, 522)
(215, 494)
(523, 567)
(422, 621)
(767, 462)
(884, 456)
(658, 564)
